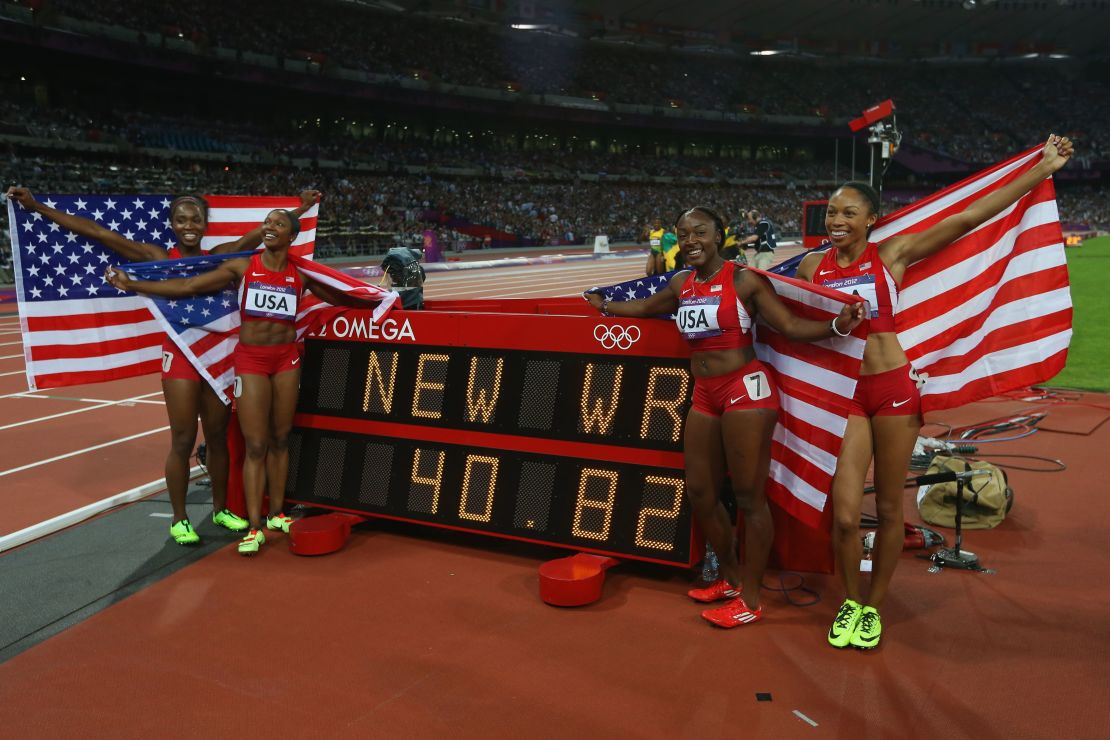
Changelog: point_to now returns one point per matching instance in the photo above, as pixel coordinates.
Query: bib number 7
(757, 386)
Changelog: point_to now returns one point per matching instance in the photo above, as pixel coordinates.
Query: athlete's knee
(256, 448)
(702, 496)
(749, 494)
(889, 511)
(845, 524)
(279, 441)
(182, 441)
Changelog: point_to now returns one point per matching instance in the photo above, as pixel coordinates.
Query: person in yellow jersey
(655, 252)
(672, 255)
(731, 250)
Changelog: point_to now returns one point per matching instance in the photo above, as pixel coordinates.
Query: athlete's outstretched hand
(22, 196)
(1057, 152)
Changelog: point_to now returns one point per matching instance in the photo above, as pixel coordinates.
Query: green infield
(1089, 356)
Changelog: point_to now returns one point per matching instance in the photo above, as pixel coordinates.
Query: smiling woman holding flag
(267, 358)
(736, 401)
(187, 395)
(886, 413)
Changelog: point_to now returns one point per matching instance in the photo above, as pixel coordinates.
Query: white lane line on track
(12, 357)
(14, 372)
(555, 275)
(543, 288)
(97, 405)
(586, 280)
(75, 453)
(9, 344)
(538, 290)
(133, 399)
(23, 536)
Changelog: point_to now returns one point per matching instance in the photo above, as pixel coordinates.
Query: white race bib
(271, 301)
(861, 285)
(697, 317)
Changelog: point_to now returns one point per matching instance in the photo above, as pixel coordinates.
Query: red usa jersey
(710, 316)
(265, 295)
(868, 278)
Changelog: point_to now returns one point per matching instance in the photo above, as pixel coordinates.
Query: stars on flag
(57, 268)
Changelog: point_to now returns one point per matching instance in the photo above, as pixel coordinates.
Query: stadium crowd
(376, 211)
(385, 184)
(967, 112)
(396, 208)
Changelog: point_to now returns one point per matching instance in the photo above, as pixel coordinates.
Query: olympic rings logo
(616, 336)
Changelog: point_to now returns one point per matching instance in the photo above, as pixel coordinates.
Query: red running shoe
(717, 591)
(732, 614)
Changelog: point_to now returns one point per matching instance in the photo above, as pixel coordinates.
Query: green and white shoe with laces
(249, 545)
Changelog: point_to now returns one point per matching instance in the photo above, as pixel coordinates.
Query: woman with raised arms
(267, 358)
(187, 395)
(886, 413)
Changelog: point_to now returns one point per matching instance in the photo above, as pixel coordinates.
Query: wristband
(837, 331)
(605, 307)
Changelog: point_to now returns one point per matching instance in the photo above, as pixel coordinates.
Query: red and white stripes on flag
(231, 216)
(992, 311)
(352, 287)
(817, 381)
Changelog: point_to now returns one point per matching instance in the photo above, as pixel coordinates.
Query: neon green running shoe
(840, 634)
(228, 520)
(279, 522)
(869, 629)
(183, 533)
(249, 545)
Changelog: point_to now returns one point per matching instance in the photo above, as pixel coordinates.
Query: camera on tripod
(883, 137)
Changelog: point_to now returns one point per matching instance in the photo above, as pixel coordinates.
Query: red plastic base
(574, 581)
(320, 535)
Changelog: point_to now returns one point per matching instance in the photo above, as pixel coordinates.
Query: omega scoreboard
(500, 419)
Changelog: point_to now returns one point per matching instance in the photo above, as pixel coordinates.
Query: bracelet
(837, 331)
(605, 306)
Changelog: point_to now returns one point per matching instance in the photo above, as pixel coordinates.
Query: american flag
(817, 380)
(205, 327)
(78, 329)
(989, 313)
(992, 311)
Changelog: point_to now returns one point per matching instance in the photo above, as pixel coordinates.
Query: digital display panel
(815, 218)
(576, 449)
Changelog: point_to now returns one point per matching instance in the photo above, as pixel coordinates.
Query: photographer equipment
(406, 275)
(883, 137)
(954, 557)
(989, 498)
